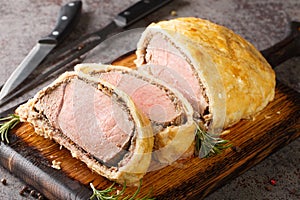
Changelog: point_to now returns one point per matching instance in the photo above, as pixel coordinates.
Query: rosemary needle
(208, 144)
(111, 193)
(11, 121)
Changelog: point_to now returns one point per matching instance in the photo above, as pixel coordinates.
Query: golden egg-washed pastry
(224, 77)
(96, 122)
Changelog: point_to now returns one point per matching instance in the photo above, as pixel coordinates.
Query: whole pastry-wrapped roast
(223, 76)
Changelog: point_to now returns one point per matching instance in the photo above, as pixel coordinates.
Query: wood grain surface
(253, 140)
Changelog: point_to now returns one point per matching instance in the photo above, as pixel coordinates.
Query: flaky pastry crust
(239, 81)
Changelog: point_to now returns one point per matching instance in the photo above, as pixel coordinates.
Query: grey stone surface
(23, 22)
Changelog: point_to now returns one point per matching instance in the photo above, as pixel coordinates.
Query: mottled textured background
(264, 23)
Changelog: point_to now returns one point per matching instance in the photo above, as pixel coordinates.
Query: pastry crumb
(56, 164)
(173, 13)
(225, 132)
(267, 116)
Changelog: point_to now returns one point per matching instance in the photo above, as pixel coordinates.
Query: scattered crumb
(278, 112)
(173, 13)
(225, 132)
(74, 154)
(267, 116)
(53, 157)
(56, 164)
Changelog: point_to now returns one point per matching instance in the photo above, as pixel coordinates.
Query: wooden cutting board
(30, 156)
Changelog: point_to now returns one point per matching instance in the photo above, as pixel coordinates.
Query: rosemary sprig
(208, 144)
(111, 193)
(11, 121)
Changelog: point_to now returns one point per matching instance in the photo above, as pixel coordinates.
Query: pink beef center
(150, 99)
(168, 64)
(92, 120)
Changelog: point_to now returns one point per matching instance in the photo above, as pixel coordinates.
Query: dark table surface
(263, 23)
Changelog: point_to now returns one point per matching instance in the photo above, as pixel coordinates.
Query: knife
(79, 47)
(68, 18)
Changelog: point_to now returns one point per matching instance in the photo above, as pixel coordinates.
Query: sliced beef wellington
(221, 74)
(98, 123)
(170, 113)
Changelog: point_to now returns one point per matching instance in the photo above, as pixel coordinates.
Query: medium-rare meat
(107, 130)
(222, 75)
(98, 123)
(152, 100)
(166, 63)
(169, 112)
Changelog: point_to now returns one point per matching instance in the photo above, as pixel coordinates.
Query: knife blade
(79, 47)
(68, 17)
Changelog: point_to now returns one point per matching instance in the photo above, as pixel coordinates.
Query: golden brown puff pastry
(235, 80)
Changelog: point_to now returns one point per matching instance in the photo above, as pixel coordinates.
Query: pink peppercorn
(273, 182)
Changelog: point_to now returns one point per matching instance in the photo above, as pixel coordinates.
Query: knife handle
(138, 11)
(286, 49)
(68, 18)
